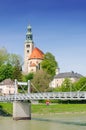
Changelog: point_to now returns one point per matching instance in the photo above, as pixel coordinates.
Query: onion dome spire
(29, 36)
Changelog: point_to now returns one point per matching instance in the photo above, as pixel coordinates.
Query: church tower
(28, 47)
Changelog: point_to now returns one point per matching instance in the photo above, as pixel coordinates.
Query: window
(27, 51)
(27, 46)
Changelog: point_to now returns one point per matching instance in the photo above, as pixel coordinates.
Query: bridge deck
(48, 95)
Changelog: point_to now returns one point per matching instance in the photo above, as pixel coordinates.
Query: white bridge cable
(42, 94)
(35, 88)
(82, 87)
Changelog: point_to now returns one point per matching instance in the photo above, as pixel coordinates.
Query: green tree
(3, 56)
(49, 64)
(13, 59)
(66, 85)
(6, 71)
(17, 73)
(81, 84)
(7, 58)
(28, 76)
(41, 81)
(10, 65)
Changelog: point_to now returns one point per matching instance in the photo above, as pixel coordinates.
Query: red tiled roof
(37, 54)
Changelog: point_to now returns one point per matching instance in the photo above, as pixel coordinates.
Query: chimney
(57, 71)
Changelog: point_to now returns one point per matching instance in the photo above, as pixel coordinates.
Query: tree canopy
(10, 65)
(28, 76)
(6, 71)
(3, 56)
(81, 84)
(41, 81)
(49, 64)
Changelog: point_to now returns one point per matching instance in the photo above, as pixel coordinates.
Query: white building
(60, 77)
(7, 87)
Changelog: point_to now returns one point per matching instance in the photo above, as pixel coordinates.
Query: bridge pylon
(21, 108)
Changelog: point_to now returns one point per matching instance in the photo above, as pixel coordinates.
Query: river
(72, 121)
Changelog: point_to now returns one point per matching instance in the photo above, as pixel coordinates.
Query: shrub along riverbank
(6, 108)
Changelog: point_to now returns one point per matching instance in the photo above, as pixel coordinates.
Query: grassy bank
(6, 108)
(58, 108)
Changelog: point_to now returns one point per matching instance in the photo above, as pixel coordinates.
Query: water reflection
(46, 122)
(59, 121)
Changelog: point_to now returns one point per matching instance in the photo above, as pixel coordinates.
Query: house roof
(37, 54)
(68, 75)
(7, 82)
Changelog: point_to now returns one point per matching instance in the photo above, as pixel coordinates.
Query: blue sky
(58, 26)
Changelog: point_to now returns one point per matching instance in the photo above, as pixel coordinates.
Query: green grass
(6, 108)
(58, 108)
(43, 109)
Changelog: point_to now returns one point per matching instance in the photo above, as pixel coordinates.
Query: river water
(73, 121)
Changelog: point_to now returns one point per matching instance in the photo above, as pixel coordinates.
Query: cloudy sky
(58, 26)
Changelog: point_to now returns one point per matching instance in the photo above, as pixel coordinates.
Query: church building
(33, 56)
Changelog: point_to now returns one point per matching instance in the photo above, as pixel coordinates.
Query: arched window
(27, 51)
(27, 46)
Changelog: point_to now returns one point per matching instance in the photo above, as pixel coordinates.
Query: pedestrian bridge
(44, 96)
(22, 102)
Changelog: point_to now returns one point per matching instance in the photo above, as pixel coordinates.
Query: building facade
(60, 77)
(7, 87)
(32, 55)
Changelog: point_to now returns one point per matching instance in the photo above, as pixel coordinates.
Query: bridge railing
(46, 95)
(60, 95)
